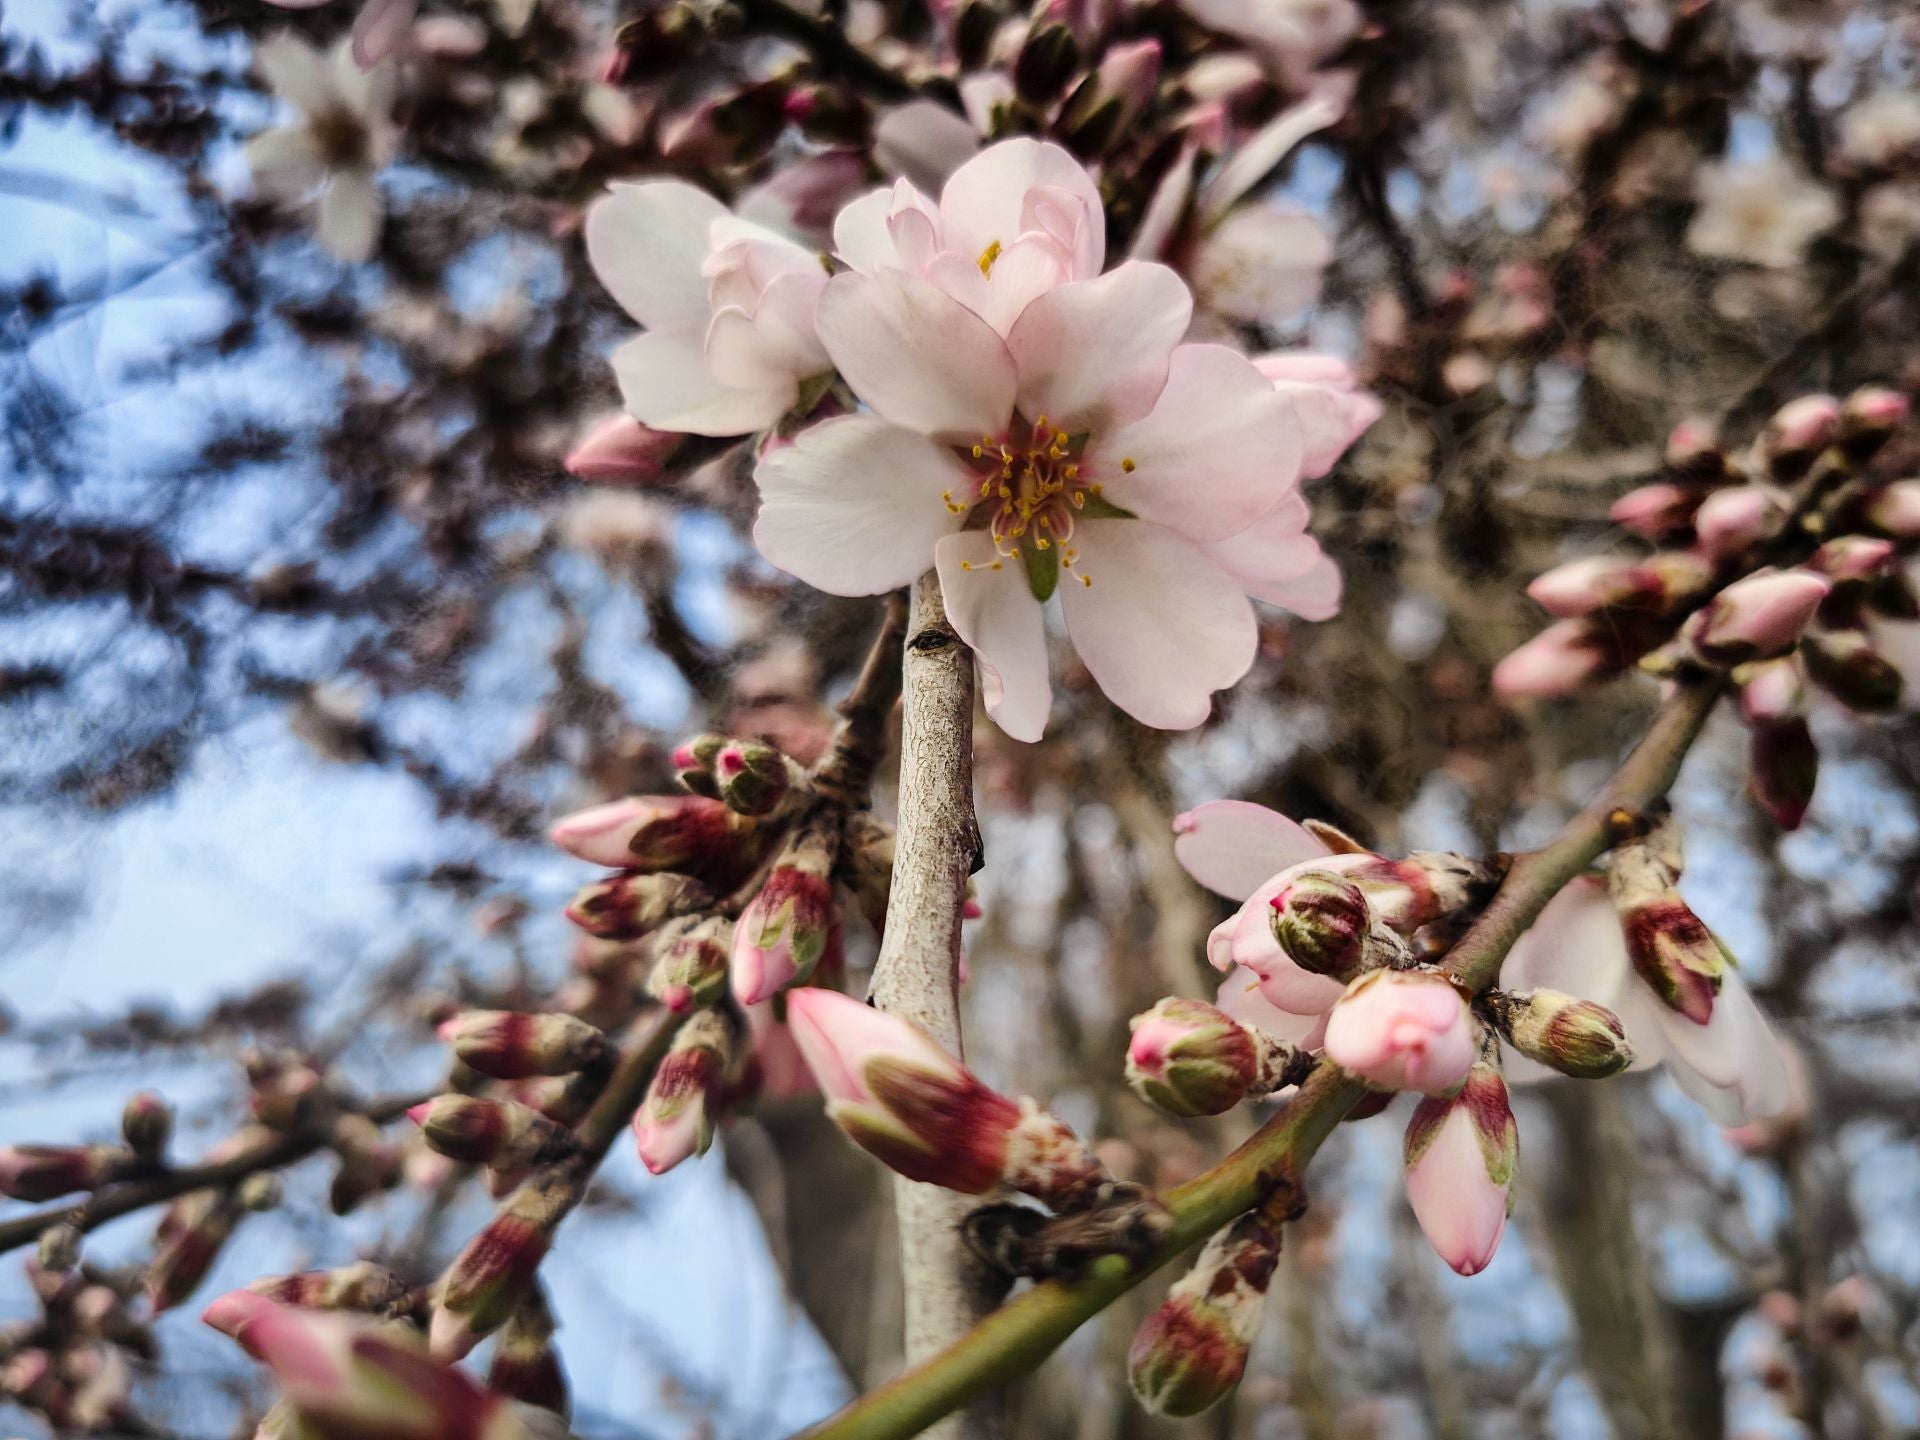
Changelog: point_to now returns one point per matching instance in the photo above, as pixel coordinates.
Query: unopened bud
(1773, 690)
(1693, 448)
(1786, 768)
(781, 937)
(693, 764)
(492, 1276)
(1656, 510)
(1595, 582)
(501, 1133)
(1799, 430)
(1105, 105)
(1849, 559)
(1460, 1155)
(691, 971)
(192, 1233)
(1322, 922)
(1729, 521)
(753, 778)
(526, 1366)
(362, 1286)
(1845, 663)
(508, 1045)
(1187, 1058)
(1560, 661)
(46, 1172)
(1871, 415)
(1756, 618)
(683, 834)
(1044, 63)
(1191, 1352)
(974, 27)
(146, 1124)
(630, 905)
(1672, 950)
(1894, 510)
(675, 1122)
(1402, 1030)
(1565, 1033)
(619, 450)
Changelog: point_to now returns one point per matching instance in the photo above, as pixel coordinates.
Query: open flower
(727, 304)
(1084, 442)
(344, 135)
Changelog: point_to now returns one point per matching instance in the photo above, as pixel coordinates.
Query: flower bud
(46, 1172)
(1786, 768)
(1191, 1352)
(685, 834)
(1402, 1030)
(754, 779)
(509, 1045)
(1729, 521)
(919, 1111)
(1773, 690)
(619, 450)
(490, 1278)
(1693, 448)
(526, 1366)
(146, 1124)
(1850, 558)
(1321, 920)
(1756, 618)
(779, 939)
(693, 764)
(629, 905)
(368, 1165)
(503, 1134)
(675, 1121)
(59, 1248)
(1673, 951)
(1561, 660)
(1044, 63)
(1187, 1058)
(1894, 510)
(1594, 582)
(1105, 105)
(192, 1232)
(1871, 415)
(362, 1286)
(1460, 1155)
(1656, 510)
(1800, 429)
(1845, 663)
(1565, 1033)
(691, 972)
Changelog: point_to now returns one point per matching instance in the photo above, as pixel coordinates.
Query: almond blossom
(727, 306)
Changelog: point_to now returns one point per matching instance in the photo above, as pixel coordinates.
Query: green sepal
(1043, 570)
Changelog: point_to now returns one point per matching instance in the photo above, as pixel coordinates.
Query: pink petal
(854, 506)
(666, 385)
(985, 201)
(1159, 626)
(924, 141)
(1241, 997)
(379, 29)
(1218, 451)
(1461, 1211)
(918, 356)
(647, 244)
(773, 344)
(1233, 847)
(1000, 295)
(994, 611)
(1094, 354)
(865, 231)
(1275, 560)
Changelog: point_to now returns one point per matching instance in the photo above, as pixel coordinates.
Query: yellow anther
(1087, 580)
(987, 257)
(978, 451)
(1042, 543)
(1127, 465)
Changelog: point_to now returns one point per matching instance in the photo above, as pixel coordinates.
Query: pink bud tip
(621, 451)
(418, 1114)
(684, 758)
(1808, 423)
(447, 1028)
(730, 761)
(677, 998)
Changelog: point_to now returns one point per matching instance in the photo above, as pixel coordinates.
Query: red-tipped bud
(1674, 952)
(784, 931)
(629, 905)
(1850, 559)
(691, 972)
(1460, 1155)
(675, 1122)
(508, 1045)
(1565, 1033)
(526, 1366)
(1402, 1030)
(912, 1106)
(754, 779)
(492, 1276)
(192, 1233)
(1729, 521)
(46, 1172)
(1801, 428)
(146, 1123)
(1595, 582)
(1756, 618)
(1870, 416)
(1192, 1351)
(619, 450)
(684, 834)
(1693, 448)
(1786, 768)
(1187, 1058)
(501, 1133)
(1845, 663)
(1322, 922)
(1656, 510)
(361, 1286)
(1561, 660)
(693, 764)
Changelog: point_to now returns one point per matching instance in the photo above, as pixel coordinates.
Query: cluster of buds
(46, 1172)
(73, 1363)
(1188, 1058)
(1191, 1352)
(1783, 565)
(749, 777)
(904, 1100)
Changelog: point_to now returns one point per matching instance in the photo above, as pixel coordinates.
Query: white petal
(1094, 354)
(1461, 1211)
(294, 71)
(1735, 1052)
(1233, 847)
(994, 611)
(916, 355)
(1218, 451)
(1000, 294)
(860, 235)
(647, 243)
(1160, 627)
(350, 214)
(985, 201)
(1240, 997)
(853, 506)
(924, 141)
(1275, 560)
(775, 344)
(286, 163)
(665, 384)
(1576, 946)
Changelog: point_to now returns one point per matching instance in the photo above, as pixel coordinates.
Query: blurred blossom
(617, 528)
(1883, 130)
(1761, 211)
(1261, 265)
(1292, 36)
(924, 142)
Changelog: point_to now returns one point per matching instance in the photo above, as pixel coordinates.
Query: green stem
(1015, 1339)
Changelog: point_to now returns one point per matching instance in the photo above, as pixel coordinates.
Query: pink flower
(1459, 1161)
(1559, 661)
(378, 30)
(1334, 410)
(1731, 1064)
(619, 450)
(1085, 440)
(1293, 36)
(1403, 1030)
(728, 307)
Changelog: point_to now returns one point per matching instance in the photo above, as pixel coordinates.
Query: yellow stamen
(1127, 465)
(987, 257)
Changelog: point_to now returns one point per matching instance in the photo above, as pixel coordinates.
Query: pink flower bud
(1561, 660)
(192, 1232)
(1775, 690)
(1875, 411)
(675, 1121)
(691, 971)
(690, 834)
(1191, 1352)
(1807, 424)
(1322, 922)
(1693, 446)
(1460, 1155)
(492, 1276)
(1565, 1033)
(1187, 1058)
(1848, 559)
(46, 1172)
(146, 1124)
(360, 1286)
(1728, 521)
(1655, 510)
(630, 905)
(1105, 105)
(501, 1133)
(754, 779)
(1756, 618)
(1597, 582)
(917, 1110)
(508, 1045)
(1786, 768)
(785, 929)
(619, 450)
(1402, 1030)
(1895, 510)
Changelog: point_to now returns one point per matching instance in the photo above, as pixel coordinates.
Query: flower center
(1029, 491)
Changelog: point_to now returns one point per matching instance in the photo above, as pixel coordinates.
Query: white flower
(1293, 36)
(1262, 264)
(342, 139)
(727, 305)
(1883, 129)
(1763, 211)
